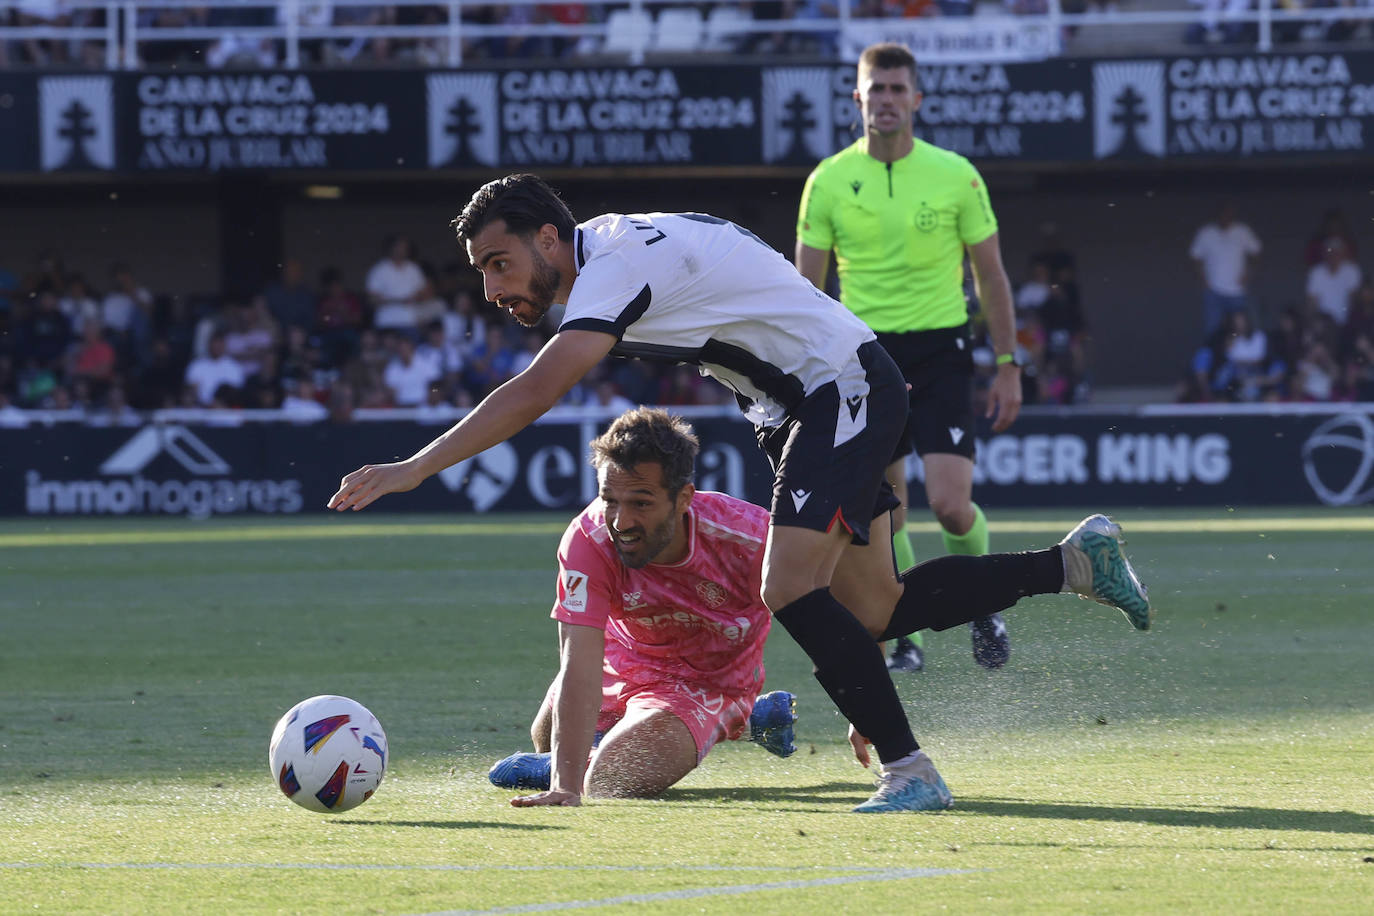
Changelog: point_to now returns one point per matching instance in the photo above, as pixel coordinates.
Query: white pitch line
(895, 874)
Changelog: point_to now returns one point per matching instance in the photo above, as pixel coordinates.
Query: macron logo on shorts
(852, 419)
(575, 591)
(799, 498)
(955, 433)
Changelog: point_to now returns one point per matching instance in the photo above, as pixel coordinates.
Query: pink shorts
(708, 716)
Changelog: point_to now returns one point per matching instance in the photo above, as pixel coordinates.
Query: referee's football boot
(913, 786)
(1095, 567)
(770, 723)
(906, 655)
(523, 770)
(991, 644)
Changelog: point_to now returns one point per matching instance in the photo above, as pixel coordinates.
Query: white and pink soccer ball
(328, 754)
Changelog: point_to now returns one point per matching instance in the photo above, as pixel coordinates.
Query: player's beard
(650, 545)
(544, 282)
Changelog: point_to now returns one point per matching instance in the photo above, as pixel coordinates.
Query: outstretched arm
(502, 414)
(577, 700)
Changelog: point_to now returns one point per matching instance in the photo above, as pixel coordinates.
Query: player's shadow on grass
(826, 793)
(451, 825)
(1226, 818)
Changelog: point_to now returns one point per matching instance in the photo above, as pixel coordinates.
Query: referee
(899, 214)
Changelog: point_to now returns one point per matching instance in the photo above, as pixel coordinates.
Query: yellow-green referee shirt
(898, 231)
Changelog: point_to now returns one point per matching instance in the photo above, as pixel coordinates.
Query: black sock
(850, 667)
(947, 591)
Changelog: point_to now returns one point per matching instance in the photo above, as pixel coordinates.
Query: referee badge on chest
(927, 219)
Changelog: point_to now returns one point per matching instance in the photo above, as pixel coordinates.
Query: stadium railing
(16, 418)
(635, 29)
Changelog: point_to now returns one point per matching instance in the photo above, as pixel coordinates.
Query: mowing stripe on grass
(290, 532)
(354, 866)
(276, 533)
(894, 874)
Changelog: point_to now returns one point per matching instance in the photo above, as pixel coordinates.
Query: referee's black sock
(947, 591)
(850, 666)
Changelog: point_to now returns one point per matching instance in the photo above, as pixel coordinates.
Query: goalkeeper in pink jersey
(661, 626)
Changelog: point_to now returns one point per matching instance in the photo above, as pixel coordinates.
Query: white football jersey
(692, 288)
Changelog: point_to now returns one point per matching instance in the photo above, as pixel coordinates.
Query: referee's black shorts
(830, 453)
(939, 367)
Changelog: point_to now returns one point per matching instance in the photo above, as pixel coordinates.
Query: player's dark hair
(889, 55)
(524, 201)
(650, 434)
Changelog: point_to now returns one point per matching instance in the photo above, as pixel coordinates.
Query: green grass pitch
(1223, 762)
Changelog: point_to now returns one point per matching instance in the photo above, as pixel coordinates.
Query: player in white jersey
(827, 402)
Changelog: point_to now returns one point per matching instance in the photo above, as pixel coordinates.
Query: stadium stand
(99, 347)
(95, 34)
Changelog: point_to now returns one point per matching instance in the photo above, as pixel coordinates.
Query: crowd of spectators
(412, 337)
(1318, 349)
(1218, 22)
(1224, 22)
(109, 350)
(1052, 339)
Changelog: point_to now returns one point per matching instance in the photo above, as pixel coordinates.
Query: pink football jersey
(700, 621)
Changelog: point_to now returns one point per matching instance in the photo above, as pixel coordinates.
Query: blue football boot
(913, 786)
(523, 770)
(770, 724)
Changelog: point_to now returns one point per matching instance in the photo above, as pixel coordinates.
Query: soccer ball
(328, 754)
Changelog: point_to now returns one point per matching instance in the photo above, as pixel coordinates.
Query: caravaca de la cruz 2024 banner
(1247, 106)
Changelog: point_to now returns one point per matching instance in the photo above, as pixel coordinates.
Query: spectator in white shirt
(1223, 251)
(300, 405)
(440, 352)
(394, 285)
(1316, 375)
(1333, 280)
(207, 374)
(1243, 371)
(464, 326)
(78, 304)
(1035, 291)
(126, 311)
(251, 335)
(408, 378)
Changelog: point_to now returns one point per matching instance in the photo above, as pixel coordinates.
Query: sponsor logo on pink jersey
(575, 591)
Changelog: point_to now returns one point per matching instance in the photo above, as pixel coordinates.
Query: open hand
(551, 797)
(365, 485)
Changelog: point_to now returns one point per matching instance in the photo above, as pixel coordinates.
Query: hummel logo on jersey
(799, 498)
(955, 434)
(855, 404)
(856, 185)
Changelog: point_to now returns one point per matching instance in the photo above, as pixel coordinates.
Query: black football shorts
(830, 452)
(939, 367)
